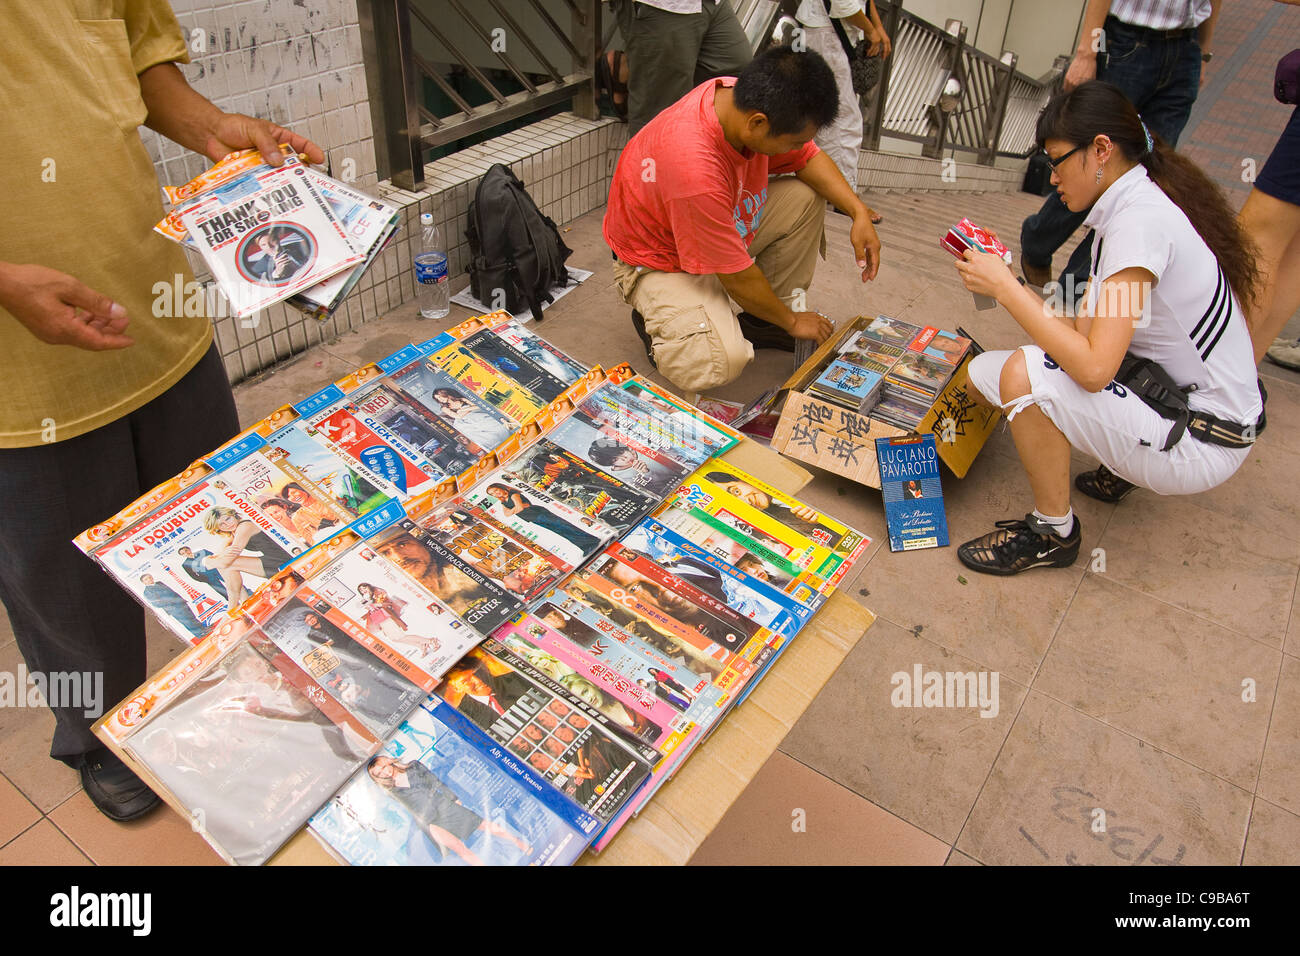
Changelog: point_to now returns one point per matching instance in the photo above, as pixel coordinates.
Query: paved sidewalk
(1120, 689)
(1122, 681)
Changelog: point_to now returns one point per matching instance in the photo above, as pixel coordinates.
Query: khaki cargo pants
(696, 339)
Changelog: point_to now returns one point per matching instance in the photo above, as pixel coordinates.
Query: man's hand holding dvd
(269, 233)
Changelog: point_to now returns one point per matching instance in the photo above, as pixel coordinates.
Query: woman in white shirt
(1171, 267)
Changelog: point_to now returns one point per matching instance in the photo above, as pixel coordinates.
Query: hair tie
(1151, 146)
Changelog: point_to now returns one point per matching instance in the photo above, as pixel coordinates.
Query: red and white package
(966, 235)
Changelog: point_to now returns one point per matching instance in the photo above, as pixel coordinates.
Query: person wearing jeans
(1153, 51)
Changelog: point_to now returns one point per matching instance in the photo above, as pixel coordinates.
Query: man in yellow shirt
(103, 398)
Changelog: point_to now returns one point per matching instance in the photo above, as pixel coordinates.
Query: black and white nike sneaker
(1104, 485)
(1020, 545)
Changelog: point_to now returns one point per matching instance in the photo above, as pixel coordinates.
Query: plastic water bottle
(433, 291)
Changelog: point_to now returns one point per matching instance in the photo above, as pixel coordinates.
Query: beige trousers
(696, 340)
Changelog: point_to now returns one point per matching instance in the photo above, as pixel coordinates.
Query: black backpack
(513, 247)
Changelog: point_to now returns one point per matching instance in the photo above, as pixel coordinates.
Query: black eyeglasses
(1055, 163)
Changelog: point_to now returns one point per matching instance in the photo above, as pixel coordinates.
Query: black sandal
(607, 81)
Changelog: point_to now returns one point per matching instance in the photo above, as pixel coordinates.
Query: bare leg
(456, 845)
(1275, 227)
(232, 570)
(493, 829)
(1043, 448)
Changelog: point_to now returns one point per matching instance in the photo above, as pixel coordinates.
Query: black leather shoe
(117, 792)
(764, 335)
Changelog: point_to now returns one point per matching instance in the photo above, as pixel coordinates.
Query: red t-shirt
(683, 199)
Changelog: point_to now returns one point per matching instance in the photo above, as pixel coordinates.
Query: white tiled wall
(298, 64)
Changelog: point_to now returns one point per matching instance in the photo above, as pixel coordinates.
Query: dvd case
(457, 405)
(523, 571)
(397, 619)
(472, 596)
(374, 451)
(563, 366)
(653, 549)
(563, 531)
(559, 736)
(513, 364)
(418, 428)
(332, 649)
(748, 555)
(267, 236)
(432, 798)
(197, 556)
(582, 486)
(618, 455)
(625, 710)
(241, 744)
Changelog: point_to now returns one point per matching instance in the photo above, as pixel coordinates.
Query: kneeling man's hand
(811, 325)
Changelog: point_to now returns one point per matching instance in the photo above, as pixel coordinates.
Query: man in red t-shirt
(695, 223)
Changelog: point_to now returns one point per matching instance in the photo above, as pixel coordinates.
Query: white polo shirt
(1193, 327)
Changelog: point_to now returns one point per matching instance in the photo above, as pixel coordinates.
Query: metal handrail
(391, 31)
(994, 115)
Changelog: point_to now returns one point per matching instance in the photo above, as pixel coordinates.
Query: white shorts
(1113, 425)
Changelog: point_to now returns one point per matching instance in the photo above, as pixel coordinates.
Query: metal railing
(936, 89)
(442, 70)
(944, 93)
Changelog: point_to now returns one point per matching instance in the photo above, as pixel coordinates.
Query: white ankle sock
(1063, 525)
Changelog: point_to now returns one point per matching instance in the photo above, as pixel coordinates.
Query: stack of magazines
(272, 233)
(499, 664)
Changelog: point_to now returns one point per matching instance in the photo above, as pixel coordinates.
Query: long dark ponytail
(1095, 108)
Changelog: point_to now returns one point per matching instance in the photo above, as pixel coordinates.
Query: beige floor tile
(1247, 496)
(262, 395)
(925, 765)
(1165, 676)
(42, 845)
(1239, 576)
(1292, 645)
(1004, 623)
(1059, 767)
(1283, 408)
(792, 815)
(17, 813)
(25, 735)
(1279, 778)
(957, 858)
(1274, 837)
(161, 838)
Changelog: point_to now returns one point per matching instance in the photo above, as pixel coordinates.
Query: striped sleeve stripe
(1213, 307)
(1205, 356)
(1217, 326)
